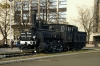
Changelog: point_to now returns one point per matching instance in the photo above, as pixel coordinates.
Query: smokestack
(33, 18)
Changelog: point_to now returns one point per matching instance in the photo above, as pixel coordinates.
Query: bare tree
(86, 19)
(4, 20)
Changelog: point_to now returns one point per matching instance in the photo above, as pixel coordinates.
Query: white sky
(2, 1)
(72, 10)
(71, 7)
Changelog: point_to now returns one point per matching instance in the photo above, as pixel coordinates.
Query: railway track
(27, 53)
(15, 54)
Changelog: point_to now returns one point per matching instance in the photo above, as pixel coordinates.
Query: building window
(17, 6)
(25, 5)
(25, 17)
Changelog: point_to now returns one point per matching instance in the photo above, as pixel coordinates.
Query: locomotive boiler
(51, 37)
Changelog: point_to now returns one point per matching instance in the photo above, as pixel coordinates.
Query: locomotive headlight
(34, 37)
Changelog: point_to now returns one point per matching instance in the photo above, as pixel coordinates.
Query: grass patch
(42, 54)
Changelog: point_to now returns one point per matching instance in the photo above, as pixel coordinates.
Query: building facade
(96, 31)
(50, 11)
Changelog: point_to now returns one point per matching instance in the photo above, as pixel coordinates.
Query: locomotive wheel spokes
(46, 51)
(80, 48)
(54, 49)
(60, 48)
(42, 47)
(68, 47)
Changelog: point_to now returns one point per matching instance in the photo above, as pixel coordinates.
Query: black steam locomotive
(51, 37)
